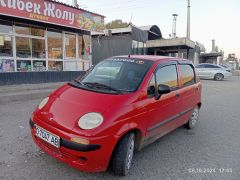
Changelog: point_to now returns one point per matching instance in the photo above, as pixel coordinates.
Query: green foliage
(118, 23)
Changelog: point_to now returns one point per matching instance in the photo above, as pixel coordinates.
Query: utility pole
(174, 26)
(188, 19)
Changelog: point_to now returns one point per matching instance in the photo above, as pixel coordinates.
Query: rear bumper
(90, 158)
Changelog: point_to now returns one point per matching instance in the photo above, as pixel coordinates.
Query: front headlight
(43, 103)
(90, 121)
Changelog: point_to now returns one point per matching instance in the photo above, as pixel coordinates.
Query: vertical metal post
(174, 28)
(188, 19)
(46, 48)
(63, 48)
(14, 48)
(179, 52)
(155, 51)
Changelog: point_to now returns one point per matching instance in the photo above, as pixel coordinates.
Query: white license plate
(48, 137)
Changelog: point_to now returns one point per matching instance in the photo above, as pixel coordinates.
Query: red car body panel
(122, 113)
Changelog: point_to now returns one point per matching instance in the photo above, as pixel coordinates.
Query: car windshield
(117, 75)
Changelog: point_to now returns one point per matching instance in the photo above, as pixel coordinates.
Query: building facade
(45, 35)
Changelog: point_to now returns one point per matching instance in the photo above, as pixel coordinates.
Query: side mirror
(163, 89)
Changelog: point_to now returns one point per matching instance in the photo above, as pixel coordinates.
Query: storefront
(45, 35)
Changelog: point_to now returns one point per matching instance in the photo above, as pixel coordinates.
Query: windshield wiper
(101, 86)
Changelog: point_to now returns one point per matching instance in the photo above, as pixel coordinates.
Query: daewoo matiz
(117, 107)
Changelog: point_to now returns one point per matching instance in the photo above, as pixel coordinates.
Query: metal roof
(75, 7)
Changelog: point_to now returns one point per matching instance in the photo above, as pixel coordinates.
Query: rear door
(189, 90)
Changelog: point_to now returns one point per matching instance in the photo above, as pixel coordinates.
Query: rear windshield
(118, 75)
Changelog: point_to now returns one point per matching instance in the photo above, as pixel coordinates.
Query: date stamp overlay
(208, 170)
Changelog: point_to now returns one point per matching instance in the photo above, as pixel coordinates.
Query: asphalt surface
(210, 151)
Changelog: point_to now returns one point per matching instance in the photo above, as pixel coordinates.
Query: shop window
(23, 29)
(80, 46)
(70, 66)
(81, 66)
(39, 65)
(70, 45)
(86, 65)
(38, 48)
(86, 47)
(6, 65)
(6, 46)
(23, 47)
(23, 65)
(5, 27)
(37, 31)
(55, 45)
(29, 30)
(55, 65)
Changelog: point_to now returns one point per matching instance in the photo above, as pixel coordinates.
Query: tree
(118, 23)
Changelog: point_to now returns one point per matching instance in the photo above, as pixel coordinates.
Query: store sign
(53, 13)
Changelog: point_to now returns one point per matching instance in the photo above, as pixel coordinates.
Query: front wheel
(193, 119)
(123, 154)
(218, 77)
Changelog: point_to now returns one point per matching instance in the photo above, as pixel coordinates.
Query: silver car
(212, 71)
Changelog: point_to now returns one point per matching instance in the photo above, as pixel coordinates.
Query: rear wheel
(193, 119)
(123, 154)
(218, 77)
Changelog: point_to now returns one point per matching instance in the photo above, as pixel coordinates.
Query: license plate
(48, 137)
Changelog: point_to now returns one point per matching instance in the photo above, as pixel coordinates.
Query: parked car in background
(120, 105)
(212, 71)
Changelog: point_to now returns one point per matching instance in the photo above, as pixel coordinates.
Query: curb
(13, 97)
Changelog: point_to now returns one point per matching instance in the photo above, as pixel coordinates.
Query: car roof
(153, 58)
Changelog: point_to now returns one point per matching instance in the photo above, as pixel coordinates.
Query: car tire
(123, 154)
(218, 77)
(193, 119)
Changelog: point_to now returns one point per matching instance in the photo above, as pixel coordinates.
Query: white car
(212, 71)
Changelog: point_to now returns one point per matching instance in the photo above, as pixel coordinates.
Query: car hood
(68, 104)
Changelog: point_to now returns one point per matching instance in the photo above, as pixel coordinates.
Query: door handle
(177, 95)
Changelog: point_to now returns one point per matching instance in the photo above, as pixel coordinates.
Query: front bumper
(90, 158)
(227, 75)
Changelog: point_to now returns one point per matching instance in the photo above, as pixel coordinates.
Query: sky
(210, 19)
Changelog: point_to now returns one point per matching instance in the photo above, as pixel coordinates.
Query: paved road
(213, 144)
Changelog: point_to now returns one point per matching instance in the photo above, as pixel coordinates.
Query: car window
(188, 76)
(167, 75)
(119, 74)
(151, 86)
(211, 66)
(200, 66)
(108, 70)
(152, 82)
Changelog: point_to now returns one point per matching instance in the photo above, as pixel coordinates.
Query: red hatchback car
(119, 106)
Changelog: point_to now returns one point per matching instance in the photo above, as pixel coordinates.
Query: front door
(164, 112)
